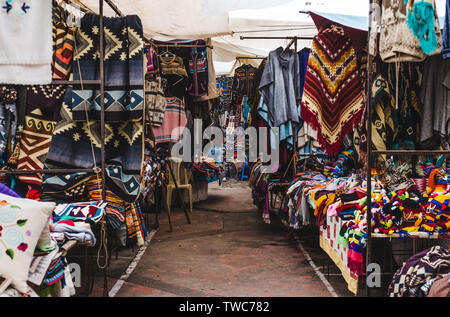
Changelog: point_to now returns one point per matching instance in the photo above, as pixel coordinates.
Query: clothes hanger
(166, 54)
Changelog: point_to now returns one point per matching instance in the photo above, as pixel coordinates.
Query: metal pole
(49, 171)
(102, 128)
(250, 57)
(369, 150)
(276, 37)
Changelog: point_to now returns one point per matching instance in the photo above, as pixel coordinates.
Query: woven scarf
(332, 99)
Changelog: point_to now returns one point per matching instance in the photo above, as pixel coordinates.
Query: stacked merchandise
(208, 171)
(425, 274)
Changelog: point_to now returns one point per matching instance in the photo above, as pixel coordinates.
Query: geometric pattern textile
(71, 147)
(332, 100)
(123, 69)
(43, 105)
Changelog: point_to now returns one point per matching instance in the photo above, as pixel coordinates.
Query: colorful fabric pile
(418, 274)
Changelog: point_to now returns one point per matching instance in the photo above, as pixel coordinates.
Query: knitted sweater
(397, 40)
(332, 100)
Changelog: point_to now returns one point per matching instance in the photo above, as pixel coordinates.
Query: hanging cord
(103, 237)
(397, 72)
(103, 245)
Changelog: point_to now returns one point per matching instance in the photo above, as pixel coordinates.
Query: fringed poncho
(332, 100)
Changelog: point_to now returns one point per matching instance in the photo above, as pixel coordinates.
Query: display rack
(101, 84)
(373, 153)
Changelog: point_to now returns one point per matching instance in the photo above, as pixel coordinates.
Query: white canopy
(226, 21)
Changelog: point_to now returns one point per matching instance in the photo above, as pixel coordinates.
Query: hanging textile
(26, 42)
(174, 122)
(407, 103)
(277, 86)
(43, 106)
(303, 57)
(197, 66)
(384, 122)
(224, 87)
(155, 101)
(71, 146)
(212, 85)
(153, 69)
(446, 32)
(244, 83)
(332, 99)
(174, 75)
(123, 65)
(63, 44)
(8, 121)
(397, 41)
(435, 97)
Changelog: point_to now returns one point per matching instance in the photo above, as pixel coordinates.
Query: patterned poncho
(332, 100)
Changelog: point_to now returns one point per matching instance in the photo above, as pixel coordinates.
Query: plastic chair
(243, 175)
(170, 187)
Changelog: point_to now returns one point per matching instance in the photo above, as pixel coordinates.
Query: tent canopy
(226, 21)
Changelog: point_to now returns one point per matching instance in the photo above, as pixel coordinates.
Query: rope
(103, 245)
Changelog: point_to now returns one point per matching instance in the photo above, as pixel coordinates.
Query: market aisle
(226, 252)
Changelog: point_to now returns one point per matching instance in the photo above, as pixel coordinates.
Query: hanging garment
(155, 101)
(43, 106)
(224, 87)
(277, 86)
(8, 121)
(174, 122)
(197, 66)
(212, 92)
(244, 82)
(407, 103)
(123, 65)
(174, 75)
(384, 122)
(435, 98)
(153, 69)
(446, 32)
(63, 44)
(303, 57)
(26, 42)
(332, 99)
(397, 41)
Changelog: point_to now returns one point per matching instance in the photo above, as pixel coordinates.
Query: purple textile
(8, 191)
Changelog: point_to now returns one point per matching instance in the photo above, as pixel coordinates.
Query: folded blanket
(80, 234)
(26, 47)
